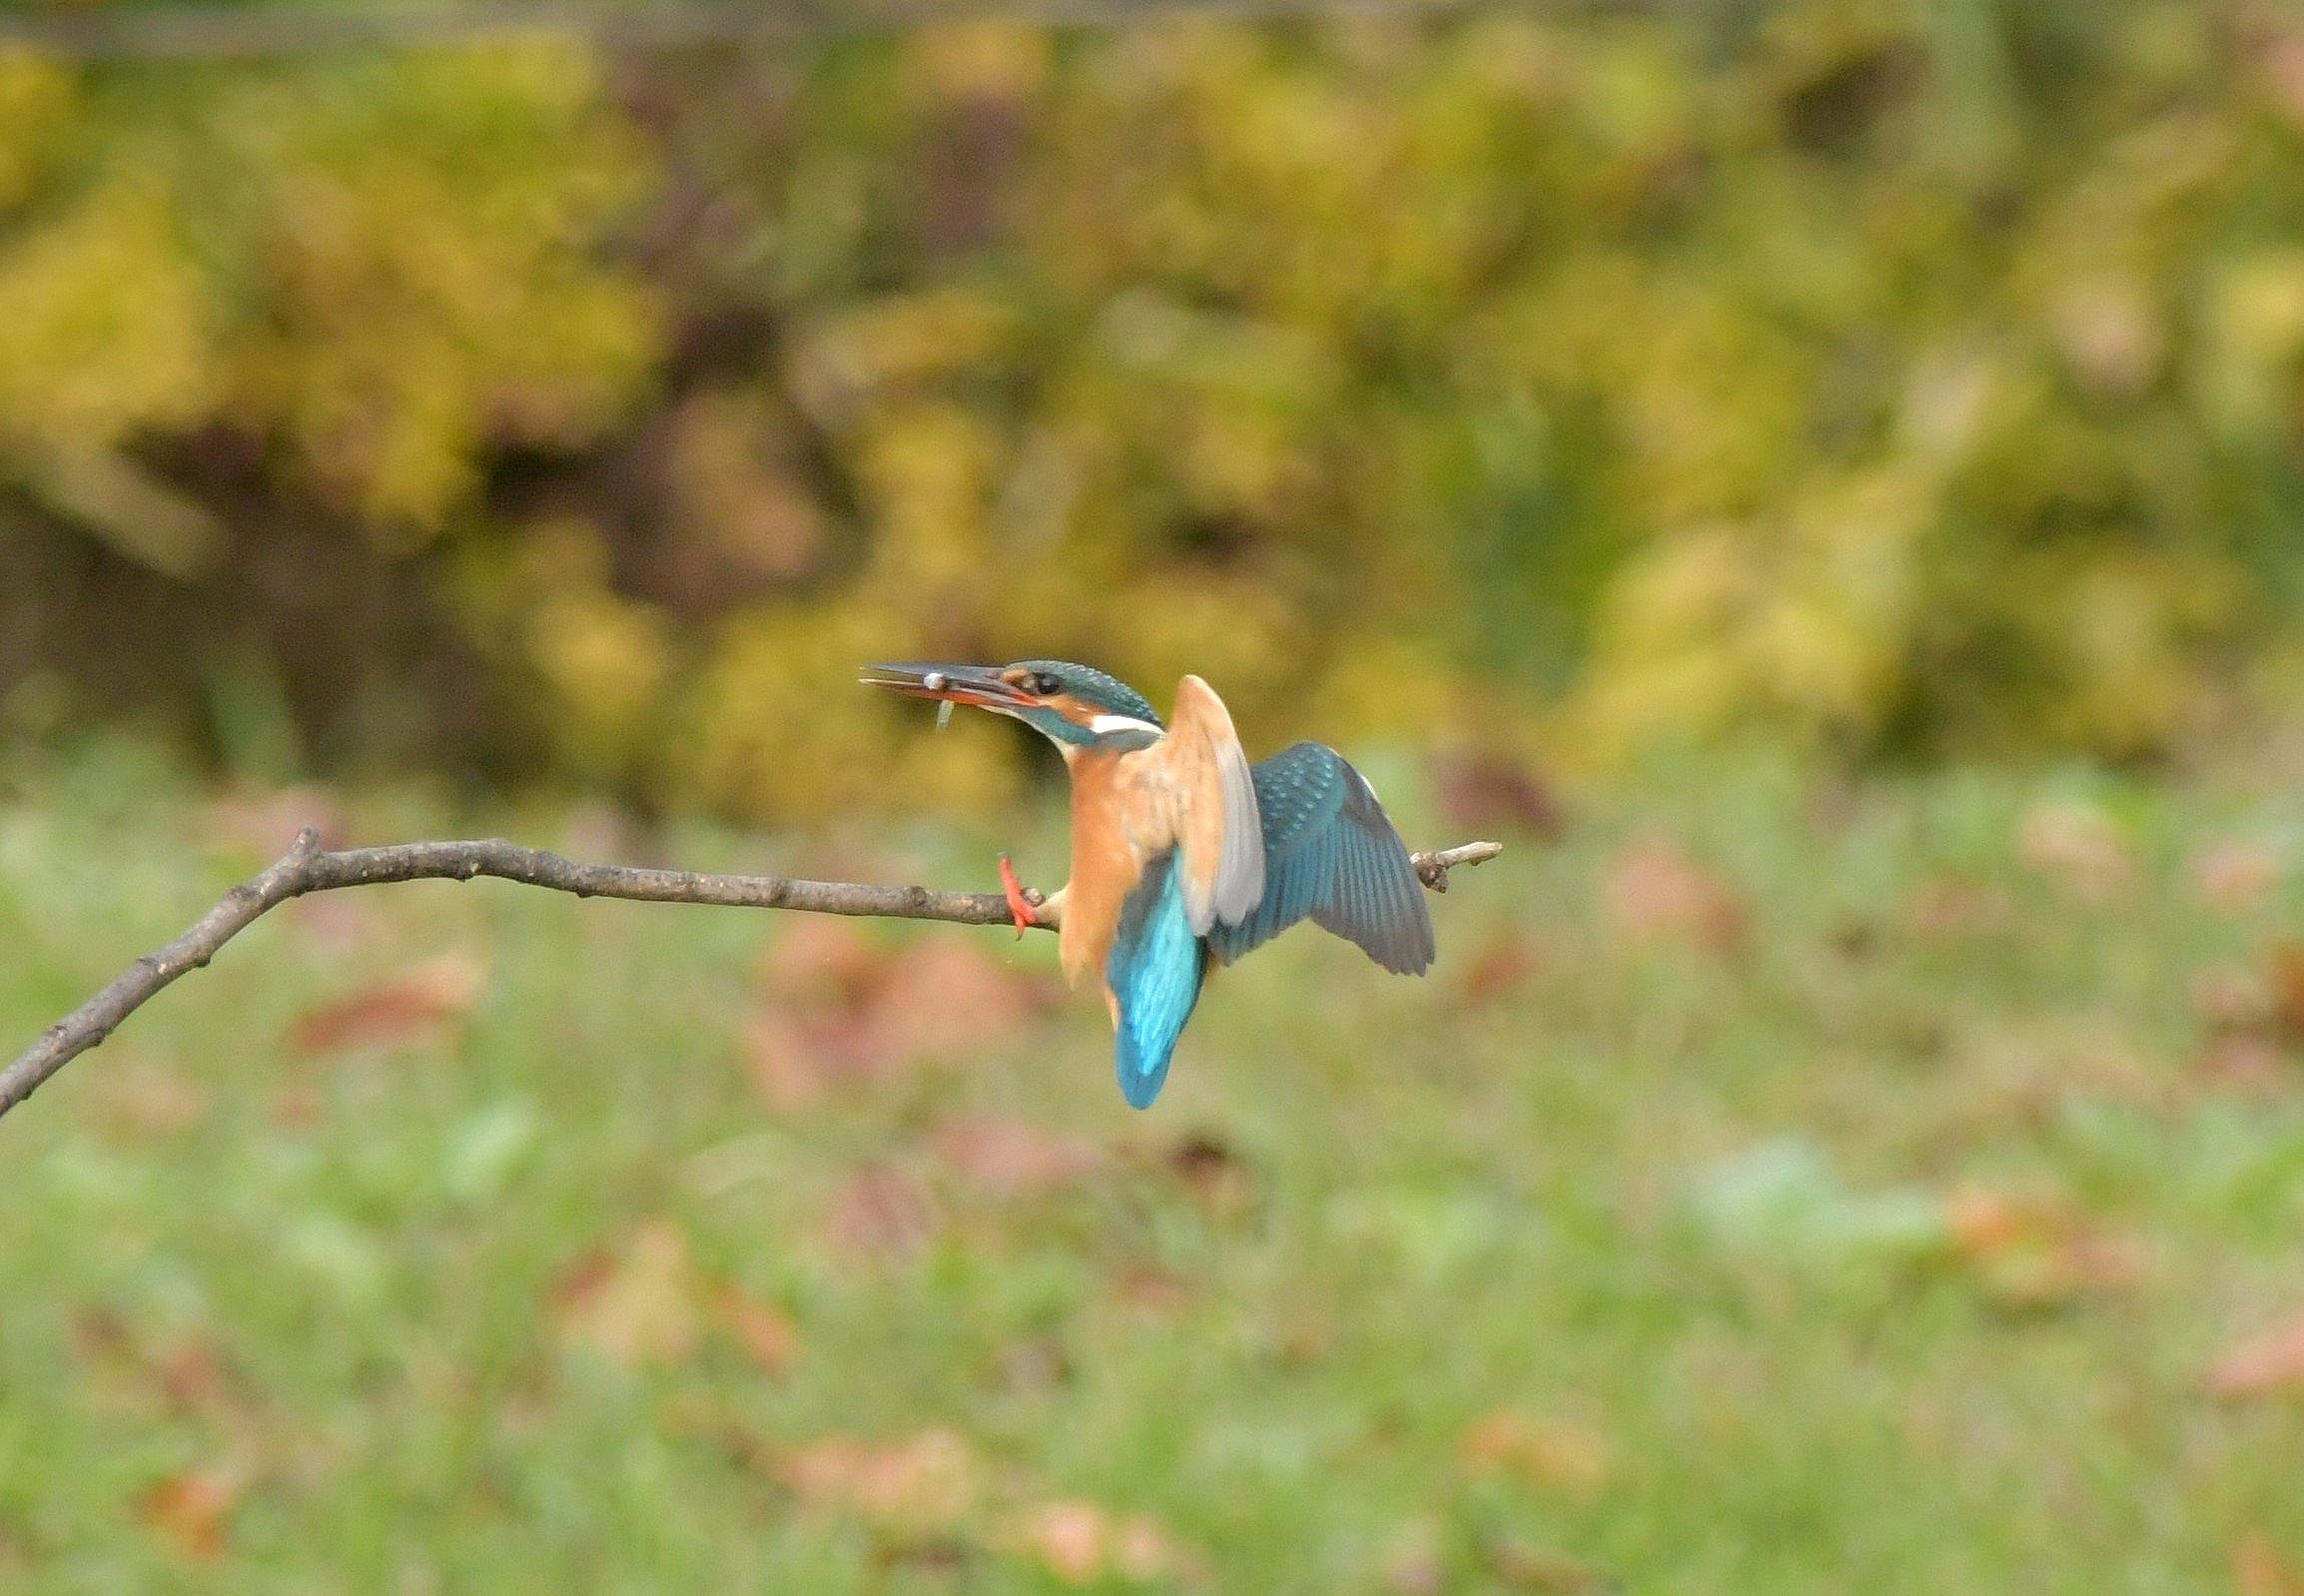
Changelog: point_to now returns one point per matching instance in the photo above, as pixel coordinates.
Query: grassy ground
(1776, 1189)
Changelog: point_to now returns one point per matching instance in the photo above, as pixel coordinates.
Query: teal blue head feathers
(1074, 706)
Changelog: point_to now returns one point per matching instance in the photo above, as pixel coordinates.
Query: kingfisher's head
(1074, 706)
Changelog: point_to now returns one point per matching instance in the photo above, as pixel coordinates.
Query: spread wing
(1331, 853)
(1212, 810)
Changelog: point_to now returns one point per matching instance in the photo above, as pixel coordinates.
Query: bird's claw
(1022, 903)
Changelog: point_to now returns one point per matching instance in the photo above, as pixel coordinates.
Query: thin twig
(304, 868)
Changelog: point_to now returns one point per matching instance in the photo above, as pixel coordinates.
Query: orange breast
(1106, 862)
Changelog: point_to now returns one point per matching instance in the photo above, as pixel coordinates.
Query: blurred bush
(1900, 382)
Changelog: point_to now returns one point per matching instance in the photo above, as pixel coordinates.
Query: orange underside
(1104, 865)
(1126, 807)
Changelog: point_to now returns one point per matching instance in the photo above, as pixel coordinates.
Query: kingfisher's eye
(1042, 684)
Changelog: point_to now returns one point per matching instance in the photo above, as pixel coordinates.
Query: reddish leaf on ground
(2036, 1252)
(1217, 1175)
(144, 1097)
(1082, 1543)
(932, 1480)
(1153, 1291)
(2078, 847)
(2246, 1061)
(2272, 1360)
(192, 1512)
(764, 1331)
(2285, 970)
(1011, 1158)
(1502, 965)
(2232, 998)
(787, 1066)
(1656, 893)
(1524, 1565)
(946, 998)
(879, 1212)
(1482, 792)
(2238, 874)
(642, 1301)
(1945, 908)
(834, 1009)
(1551, 1454)
(393, 1012)
(2259, 1569)
(1415, 1565)
(819, 961)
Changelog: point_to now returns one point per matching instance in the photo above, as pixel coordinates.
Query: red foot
(1021, 907)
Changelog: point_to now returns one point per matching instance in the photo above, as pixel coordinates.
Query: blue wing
(1153, 970)
(1331, 853)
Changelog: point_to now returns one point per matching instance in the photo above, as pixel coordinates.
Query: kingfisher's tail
(1154, 972)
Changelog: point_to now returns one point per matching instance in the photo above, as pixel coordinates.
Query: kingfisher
(1183, 855)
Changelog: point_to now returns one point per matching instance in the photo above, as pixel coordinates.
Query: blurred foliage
(1895, 382)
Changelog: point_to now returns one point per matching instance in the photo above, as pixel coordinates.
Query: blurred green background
(1819, 480)
(1899, 382)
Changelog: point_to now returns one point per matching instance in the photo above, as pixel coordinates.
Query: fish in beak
(980, 685)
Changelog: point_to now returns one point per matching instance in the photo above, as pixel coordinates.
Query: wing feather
(1332, 855)
(1213, 809)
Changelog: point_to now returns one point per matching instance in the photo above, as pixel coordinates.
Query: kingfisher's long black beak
(980, 685)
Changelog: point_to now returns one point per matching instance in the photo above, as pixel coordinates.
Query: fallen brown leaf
(2261, 1364)
(2078, 847)
(1011, 1158)
(880, 1213)
(2232, 998)
(2285, 970)
(2238, 874)
(1502, 965)
(639, 1302)
(1482, 792)
(787, 1067)
(1415, 1565)
(193, 1512)
(1656, 893)
(2259, 1569)
(836, 1010)
(927, 1481)
(1219, 1177)
(393, 1013)
(1080, 1543)
(2036, 1252)
(764, 1331)
(192, 1374)
(818, 961)
(1551, 1454)
(1952, 908)
(2247, 1060)
(1523, 1565)
(944, 998)
(145, 1096)
(1153, 1291)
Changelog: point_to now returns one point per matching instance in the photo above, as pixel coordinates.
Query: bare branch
(304, 868)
